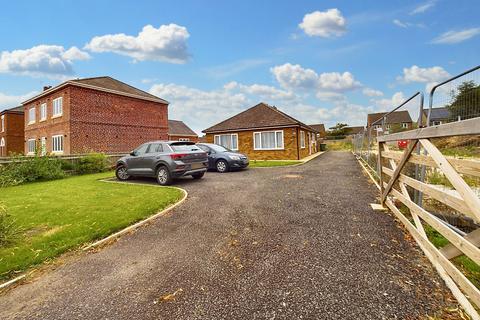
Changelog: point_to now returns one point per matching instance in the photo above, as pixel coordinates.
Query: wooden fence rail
(394, 190)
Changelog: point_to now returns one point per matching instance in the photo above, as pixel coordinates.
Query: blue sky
(319, 61)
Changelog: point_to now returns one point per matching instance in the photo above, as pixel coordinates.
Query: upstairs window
(2, 124)
(43, 112)
(31, 146)
(57, 107)
(268, 140)
(404, 125)
(57, 144)
(31, 115)
(229, 141)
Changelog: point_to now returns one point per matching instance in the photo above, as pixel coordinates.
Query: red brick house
(94, 114)
(11, 131)
(178, 130)
(264, 133)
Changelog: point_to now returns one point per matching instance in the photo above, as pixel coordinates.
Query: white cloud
(324, 24)
(423, 7)
(167, 43)
(423, 75)
(296, 77)
(452, 37)
(43, 60)
(386, 104)
(372, 92)
(260, 90)
(400, 23)
(10, 101)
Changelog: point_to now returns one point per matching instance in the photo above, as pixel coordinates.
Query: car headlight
(234, 157)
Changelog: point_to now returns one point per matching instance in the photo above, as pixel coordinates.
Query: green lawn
(271, 163)
(60, 215)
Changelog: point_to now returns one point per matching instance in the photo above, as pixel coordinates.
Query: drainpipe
(298, 143)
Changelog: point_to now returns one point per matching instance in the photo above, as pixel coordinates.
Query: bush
(8, 229)
(30, 169)
(93, 163)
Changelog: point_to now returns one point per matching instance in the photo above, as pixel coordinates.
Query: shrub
(8, 230)
(93, 163)
(30, 169)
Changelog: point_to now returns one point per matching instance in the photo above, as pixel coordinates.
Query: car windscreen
(218, 148)
(177, 147)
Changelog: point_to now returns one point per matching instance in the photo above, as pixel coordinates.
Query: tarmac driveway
(281, 243)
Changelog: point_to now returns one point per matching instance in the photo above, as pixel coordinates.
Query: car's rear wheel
(222, 166)
(121, 173)
(198, 175)
(164, 177)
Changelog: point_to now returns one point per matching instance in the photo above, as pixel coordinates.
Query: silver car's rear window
(184, 147)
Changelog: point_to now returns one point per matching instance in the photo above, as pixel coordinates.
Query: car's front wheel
(222, 166)
(197, 176)
(164, 177)
(121, 173)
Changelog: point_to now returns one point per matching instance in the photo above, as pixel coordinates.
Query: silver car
(165, 160)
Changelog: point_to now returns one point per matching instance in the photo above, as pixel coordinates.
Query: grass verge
(57, 216)
(270, 163)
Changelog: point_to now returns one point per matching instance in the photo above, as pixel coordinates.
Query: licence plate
(197, 165)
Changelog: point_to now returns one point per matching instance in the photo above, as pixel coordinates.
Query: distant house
(263, 132)
(11, 131)
(94, 114)
(178, 130)
(320, 128)
(437, 117)
(397, 120)
(351, 131)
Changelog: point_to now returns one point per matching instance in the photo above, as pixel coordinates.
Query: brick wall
(106, 122)
(13, 134)
(291, 140)
(191, 138)
(52, 125)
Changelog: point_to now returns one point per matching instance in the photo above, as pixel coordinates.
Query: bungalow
(320, 129)
(351, 131)
(437, 117)
(398, 120)
(264, 133)
(178, 130)
(11, 131)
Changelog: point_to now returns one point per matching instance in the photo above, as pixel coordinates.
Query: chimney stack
(45, 88)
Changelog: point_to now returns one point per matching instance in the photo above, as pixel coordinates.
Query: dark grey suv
(223, 159)
(165, 160)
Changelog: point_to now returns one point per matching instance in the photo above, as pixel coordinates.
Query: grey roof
(438, 114)
(179, 128)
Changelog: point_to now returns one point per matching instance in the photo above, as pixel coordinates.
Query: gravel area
(279, 243)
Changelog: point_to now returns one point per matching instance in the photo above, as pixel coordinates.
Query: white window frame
(56, 146)
(231, 140)
(57, 107)
(3, 123)
(2, 142)
(29, 152)
(32, 115)
(276, 141)
(302, 139)
(43, 112)
(405, 125)
(183, 139)
(43, 145)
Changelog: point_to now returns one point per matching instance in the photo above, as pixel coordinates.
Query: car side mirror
(133, 153)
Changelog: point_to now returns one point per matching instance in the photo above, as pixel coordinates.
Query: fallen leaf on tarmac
(170, 296)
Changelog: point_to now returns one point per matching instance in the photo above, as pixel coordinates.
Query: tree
(466, 101)
(340, 129)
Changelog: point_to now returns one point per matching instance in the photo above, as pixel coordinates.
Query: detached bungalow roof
(318, 127)
(106, 84)
(260, 116)
(438, 114)
(395, 117)
(179, 128)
